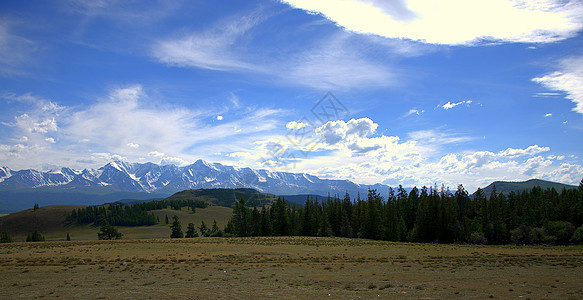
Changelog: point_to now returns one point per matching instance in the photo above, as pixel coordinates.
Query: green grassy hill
(50, 221)
(508, 186)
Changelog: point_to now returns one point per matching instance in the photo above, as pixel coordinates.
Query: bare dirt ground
(286, 267)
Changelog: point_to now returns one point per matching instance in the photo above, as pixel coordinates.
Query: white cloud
(156, 154)
(437, 137)
(334, 62)
(219, 118)
(214, 49)
(295, 125)
(453, 22)
(450, 105)
(16, 52)
(531, 150)
(111, 122)
(334, 132)
(568, 79)
(548, 115)
(128, 123)
(174, 161)
(414, 111)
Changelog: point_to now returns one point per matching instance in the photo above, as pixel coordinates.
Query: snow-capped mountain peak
(150, 177)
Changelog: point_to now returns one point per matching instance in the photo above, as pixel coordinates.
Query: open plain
(286, 267)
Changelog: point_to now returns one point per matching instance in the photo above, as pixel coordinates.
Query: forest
(431, 214)
(137, 214)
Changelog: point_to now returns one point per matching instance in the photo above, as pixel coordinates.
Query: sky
(395, 92)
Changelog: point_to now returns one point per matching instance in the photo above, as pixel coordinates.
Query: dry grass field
(286, 267)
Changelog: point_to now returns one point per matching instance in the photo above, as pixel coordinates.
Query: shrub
(539, 236)
(478, 238)
(520, 235)
(578, 236)
(108, 232)
(562, 231)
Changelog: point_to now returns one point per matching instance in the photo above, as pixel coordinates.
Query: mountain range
(148, 180)
(140, 181)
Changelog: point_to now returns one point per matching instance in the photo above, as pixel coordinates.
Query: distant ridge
(506, 187)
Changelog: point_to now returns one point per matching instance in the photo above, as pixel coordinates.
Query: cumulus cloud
(219, 118)
(295, 125)
(334, 132)
(453, 22)
(548, 115)
(133, 145)
(569, 79)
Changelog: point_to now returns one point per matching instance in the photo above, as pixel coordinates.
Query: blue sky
(424, 92)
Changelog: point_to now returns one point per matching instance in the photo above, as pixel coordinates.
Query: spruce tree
(176, 228)
(215, 231)
(191, 231)
(203, 229)
(68, 237)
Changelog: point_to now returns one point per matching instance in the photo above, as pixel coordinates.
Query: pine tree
(68, 237)
(166, 220)
(215, 231)
(176, 228)
(191, 231)
(203, 229)
(241, 218)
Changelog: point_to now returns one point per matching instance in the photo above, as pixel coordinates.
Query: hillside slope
(50, 221)
(506, 187)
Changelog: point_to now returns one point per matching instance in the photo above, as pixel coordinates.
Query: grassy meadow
(286, 267)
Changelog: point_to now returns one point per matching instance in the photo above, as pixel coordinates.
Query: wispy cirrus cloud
(568, 79)
(16, 52)
(454, 22)
(334, 62)
(219, 48)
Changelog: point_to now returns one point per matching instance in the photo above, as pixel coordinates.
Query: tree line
(138, 214)
(431, 214)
